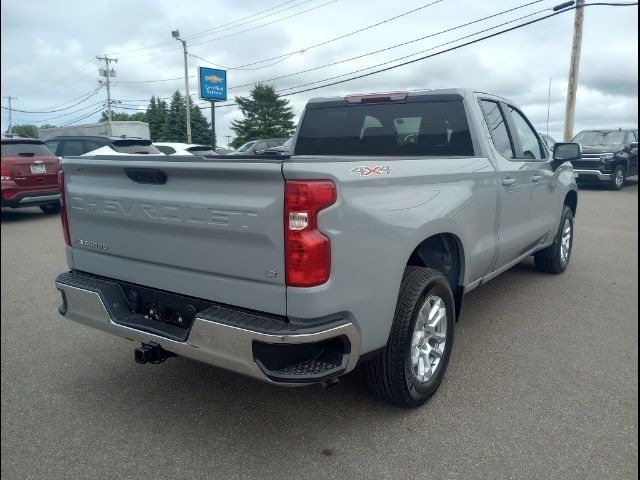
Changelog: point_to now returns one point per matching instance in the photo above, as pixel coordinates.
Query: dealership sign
(213, 84)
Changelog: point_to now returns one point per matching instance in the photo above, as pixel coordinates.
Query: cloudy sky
(49, 49)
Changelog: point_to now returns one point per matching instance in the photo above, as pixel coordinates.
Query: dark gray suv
(73, 146)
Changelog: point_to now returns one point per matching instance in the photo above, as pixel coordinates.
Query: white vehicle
(175, 148)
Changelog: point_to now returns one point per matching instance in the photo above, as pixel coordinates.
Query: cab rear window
(431, 128)
(135, 147)
(203, 150)
(25, 149)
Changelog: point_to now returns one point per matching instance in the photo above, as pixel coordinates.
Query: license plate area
(161, 306)
(38, 169)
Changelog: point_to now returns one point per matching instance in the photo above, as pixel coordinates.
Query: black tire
(51, 208)
(618, 177)
(389, 375)
(551, 260)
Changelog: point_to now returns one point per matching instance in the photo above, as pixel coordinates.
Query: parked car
(175, 148)
(279, 150)
(29, 174)
(548, 141)
(355, 250)
(69, 146)
(258, 147)
(607, 156)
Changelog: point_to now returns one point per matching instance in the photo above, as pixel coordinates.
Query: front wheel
(618, 177)
(554, 259)
(51, 208)
(411, 367)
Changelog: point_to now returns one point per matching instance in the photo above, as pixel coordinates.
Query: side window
(260, 146)
(72, 148)
(633, 136)
(167, 150)
(53, 146)
(529, 141)
(497, 127)
(90, 145)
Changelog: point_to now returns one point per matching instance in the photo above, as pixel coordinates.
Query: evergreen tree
(200, 128)
(175, 129)
(123, 117)
(28, 130)
(266, 115)
(156, 117)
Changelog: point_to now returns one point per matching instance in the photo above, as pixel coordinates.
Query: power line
(76, 120)
(456, 47)
(218, 29)
(349, 34)
(386, 20)
(70, 74)
(396, 45)
(43, 120)
(558, 12)
(437, 53)
(243, 31)
(89, 95)
(155, 45)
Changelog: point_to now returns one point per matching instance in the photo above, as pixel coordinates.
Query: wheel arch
(571, 200)
(443, 252)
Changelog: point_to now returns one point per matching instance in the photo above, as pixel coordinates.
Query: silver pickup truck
(354, 251)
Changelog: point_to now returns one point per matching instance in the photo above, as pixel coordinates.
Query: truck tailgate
(206, 228)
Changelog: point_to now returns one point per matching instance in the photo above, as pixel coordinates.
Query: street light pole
(176, 35)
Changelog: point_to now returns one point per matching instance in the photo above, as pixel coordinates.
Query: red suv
(29, 174)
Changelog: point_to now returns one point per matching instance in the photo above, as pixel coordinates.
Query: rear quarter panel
(377, 222)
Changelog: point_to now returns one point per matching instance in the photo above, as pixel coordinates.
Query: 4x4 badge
(365, 171)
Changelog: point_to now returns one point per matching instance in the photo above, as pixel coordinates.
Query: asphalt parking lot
(543, 383)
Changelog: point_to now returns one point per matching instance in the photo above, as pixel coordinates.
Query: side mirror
(633, 145)
(565, 152)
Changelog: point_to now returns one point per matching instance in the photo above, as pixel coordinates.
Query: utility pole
(573, 71)
(107, 73)
(10, 126)
(176, 35)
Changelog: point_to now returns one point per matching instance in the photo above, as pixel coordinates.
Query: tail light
(63, 209)
(4, 173)
(307, 250)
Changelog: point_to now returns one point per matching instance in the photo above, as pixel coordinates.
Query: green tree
(266, 115)
(200, 128)
(156, 117)
(28, 130)
(175, 129)
(123, 117)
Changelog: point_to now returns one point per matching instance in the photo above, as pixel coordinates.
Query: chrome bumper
(592, 173)
(39, 200)
(226, 346)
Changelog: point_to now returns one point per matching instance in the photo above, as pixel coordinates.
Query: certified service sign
(213, 84)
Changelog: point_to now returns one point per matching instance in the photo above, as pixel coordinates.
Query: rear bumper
(244, 342)
(30, 199)
(592, 175)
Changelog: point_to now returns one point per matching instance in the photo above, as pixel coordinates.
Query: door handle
(507, 182)
(536, 178)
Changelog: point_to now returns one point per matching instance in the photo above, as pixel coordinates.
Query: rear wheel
(411, 367)
(554, 259)
(51, 208)
(618, 177)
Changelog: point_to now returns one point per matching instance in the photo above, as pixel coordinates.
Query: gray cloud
(41, 54)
